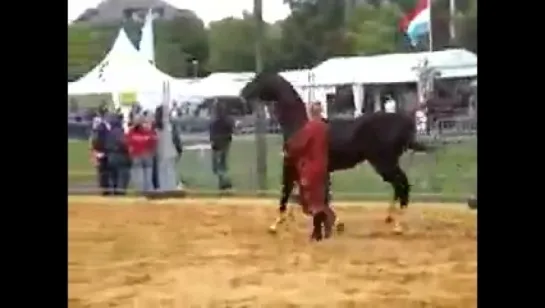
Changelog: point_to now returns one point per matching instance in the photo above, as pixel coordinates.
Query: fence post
(261, 130)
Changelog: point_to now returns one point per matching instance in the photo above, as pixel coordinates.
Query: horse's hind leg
(402, 191)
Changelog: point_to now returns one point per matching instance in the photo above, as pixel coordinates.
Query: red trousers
(312, 195)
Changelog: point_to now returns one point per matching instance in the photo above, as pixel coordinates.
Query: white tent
(297, 77)
(220, 84)
(123, 70)
(147, 42)
(393, 68)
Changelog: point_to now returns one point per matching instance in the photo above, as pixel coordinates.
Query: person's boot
(224, 182)
(318, 221)
(329, 222)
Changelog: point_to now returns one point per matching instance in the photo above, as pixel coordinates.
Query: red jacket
(141, 142)
(308, 150)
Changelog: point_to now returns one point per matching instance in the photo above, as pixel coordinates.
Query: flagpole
(452, 26)
(430, 32)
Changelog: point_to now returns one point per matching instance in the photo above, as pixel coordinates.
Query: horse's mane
(291, 108)
(280, 81)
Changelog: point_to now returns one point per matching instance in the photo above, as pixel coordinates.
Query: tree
(313, 32)
(466, 24)
(87, 45)
(179, 42)
(374, 30)
(232, 44)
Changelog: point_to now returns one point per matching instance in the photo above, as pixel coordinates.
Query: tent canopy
(220, 84)
(123, 69)
(393, 68)
(297, 77)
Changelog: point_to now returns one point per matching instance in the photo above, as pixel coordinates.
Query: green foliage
(87, 45)
(373, 30)
(231, 42)
(178, 43)
(314, 31)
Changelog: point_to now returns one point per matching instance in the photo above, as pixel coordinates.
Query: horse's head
(264, 87)
(278, 94)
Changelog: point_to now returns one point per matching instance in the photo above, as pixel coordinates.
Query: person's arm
(211, 131)
(213, 135)
(94, 128)
(299, 141)
(176, 140)
(231, 126)
(128, 141)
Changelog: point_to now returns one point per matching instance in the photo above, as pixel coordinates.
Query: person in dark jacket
(99, 135)
(117, 153)
(221, 132)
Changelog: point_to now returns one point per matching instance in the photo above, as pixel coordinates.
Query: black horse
(380, 138)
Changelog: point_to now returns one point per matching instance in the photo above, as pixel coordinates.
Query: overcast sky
(207, 10)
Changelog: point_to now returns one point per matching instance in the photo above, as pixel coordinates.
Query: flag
(417, 22)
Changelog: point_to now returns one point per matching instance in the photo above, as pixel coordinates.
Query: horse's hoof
(316, 235)
(389, 219)
(340, 227)
(398, 230)
(316, 238)
(272, 230)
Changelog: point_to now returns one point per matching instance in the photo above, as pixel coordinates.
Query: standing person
(308, 151)
(390, 106)
(221, 132)
(141, 140)
(97, 141)
(133, 113)
(119, 161)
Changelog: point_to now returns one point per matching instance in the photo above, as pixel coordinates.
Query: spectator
(221, 131)
(119, 161)
(134, 112)
(99, 135)
(142, 142)
(390, 106)
(175, 116)
(175, 112)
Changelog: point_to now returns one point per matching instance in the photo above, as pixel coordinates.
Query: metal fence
(448, 174)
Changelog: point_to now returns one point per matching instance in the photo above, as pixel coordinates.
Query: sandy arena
(217, 253)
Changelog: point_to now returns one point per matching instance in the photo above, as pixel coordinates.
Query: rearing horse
(380, 138)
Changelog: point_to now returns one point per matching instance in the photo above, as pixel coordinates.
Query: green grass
(451, 172)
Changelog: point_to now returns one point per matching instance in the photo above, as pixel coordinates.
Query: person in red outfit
(308, 151)
(141, 141)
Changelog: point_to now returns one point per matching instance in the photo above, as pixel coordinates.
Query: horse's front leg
(401, 186)
(386, 169)
(288, 173)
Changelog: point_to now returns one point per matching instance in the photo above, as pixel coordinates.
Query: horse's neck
(293, 115)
